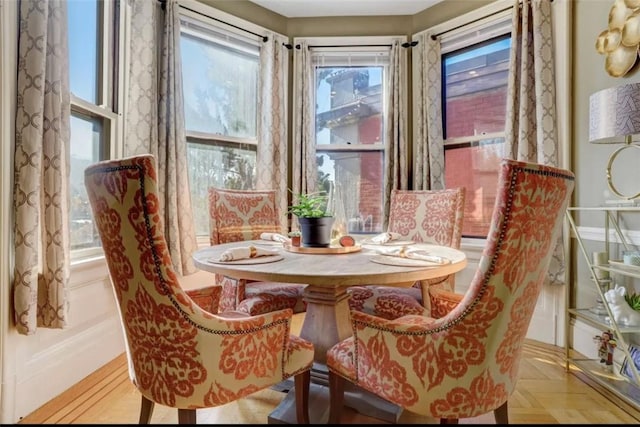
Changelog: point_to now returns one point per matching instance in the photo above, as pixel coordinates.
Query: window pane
(358, 176)
(475, 93)
(220, 88)
(216, 166)
(86, 140)
(350, 111)
(476, 169)
(349, 105)
(83, 48)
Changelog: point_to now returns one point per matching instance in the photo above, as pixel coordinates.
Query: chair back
(466, 363)
(237, 215)
(179, 355)
(428, 216)
(492, 320)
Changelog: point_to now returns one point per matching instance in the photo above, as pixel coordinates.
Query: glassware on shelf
(603, 280)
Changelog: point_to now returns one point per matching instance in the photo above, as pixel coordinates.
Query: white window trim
(346, 45)
(231, 20)
(109, 111)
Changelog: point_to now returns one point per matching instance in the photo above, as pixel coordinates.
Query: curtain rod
(406, 44)
(264, 38)
(435, 36)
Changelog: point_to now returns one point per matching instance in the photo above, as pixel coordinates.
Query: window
(220, 83)
(475, 70)
(93, 49)
(350, 92)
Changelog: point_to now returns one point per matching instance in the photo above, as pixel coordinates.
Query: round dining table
(328, 276)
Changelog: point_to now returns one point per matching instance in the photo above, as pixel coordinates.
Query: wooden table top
(331, 270)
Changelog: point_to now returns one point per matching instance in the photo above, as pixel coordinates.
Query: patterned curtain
(272, 127)
(530, 130)
(41, 198)
(428, 149)
(304, 174)
(396, 155)
(161, 132)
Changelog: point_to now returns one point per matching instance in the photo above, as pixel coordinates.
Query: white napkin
(246, 252)
(383, 238)
(276, 237)
(419, 254)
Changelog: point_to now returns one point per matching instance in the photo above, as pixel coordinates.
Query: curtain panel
(304, 174)
(272, 153)
(155, 120)
(41, 168)
(428, 149)
(531, 132)
(396, 148)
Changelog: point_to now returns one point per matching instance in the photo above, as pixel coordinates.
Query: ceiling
(315, 8)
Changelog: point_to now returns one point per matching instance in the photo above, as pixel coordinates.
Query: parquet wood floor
(545, 394)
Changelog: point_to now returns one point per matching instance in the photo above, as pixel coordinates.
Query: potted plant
(314, 220)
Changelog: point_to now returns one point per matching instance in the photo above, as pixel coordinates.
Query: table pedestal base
(362, 401)
(327, 322)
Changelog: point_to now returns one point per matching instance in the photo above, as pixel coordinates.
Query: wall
(589, 161)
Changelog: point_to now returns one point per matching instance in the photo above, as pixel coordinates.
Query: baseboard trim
(59, 367)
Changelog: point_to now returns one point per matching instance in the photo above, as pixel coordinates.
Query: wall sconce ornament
(620, 42)
(614, 118)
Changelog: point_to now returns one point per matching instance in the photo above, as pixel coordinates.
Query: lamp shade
(614, 114)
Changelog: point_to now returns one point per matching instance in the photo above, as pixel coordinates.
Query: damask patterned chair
(463, 361)
(237, 215)
(427, 216)
(181, 352)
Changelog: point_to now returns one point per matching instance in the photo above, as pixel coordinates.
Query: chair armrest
(443, 301)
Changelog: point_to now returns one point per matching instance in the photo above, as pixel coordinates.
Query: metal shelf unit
(627, 389)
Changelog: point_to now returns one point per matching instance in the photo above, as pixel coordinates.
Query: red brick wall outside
(477, 113)
(472, 167)
(475, 168)
(371, 173)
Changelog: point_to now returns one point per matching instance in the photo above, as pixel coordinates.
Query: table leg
(326, 323)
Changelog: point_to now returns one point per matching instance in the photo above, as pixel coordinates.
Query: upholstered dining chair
(238, 215)
(463, 360)
(427, 216)
(181, 352)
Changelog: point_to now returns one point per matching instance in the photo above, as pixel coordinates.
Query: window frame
(455, 34)
(110, 91)
(348, 44)
(358, 47)
(248, 34)
(209, 19)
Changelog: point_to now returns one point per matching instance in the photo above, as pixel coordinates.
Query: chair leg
(501, 413)
(302, 383)
(187, 416)
(336, 398)
(146, 410)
